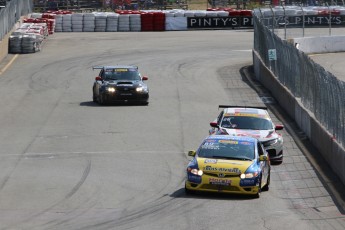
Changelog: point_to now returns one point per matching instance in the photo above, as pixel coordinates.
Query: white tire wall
(89, 22)
(112, 22)
(66, 23)
(135, 22)
(58, 23)
(77, 22)
(100, 22)
(124, 23)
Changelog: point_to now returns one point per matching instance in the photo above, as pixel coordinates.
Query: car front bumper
(125, 97)
(224, 185)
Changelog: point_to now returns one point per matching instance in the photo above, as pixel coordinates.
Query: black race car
(120, 84)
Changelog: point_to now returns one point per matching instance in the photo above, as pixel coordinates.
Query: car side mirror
(145, 78)
(191, 153)
(263, 158)
(279, 127)
(98, 78)
(214, 124)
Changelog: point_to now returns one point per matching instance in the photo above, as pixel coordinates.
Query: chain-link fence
(11, 13)
(320, 91)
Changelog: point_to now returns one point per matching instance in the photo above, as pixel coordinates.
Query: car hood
(217, 166)
(261, 135)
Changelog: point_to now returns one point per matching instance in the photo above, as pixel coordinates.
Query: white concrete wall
(325, 44)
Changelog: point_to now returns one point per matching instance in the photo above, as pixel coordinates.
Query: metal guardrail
(11, 13)
(319, 91)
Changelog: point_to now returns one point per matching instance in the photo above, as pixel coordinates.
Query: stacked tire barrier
(124, 23)
(112, 22)
(89, 22)
(147, 21)
(29, 36)
(100, 22)
(135, 22)
(77, 22)
(127, 20)
(158, 21)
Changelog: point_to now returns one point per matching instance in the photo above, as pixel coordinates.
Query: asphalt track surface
(67, 163)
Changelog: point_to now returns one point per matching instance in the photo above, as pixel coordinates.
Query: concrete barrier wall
(267, 79)
(4, 47)
(326, 44)
(332, 152)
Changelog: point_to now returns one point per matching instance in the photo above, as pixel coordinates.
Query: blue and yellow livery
(229, 164)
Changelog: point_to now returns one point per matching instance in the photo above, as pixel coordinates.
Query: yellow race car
(229, 164)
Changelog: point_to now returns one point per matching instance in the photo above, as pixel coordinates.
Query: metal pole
(284, 23)
(273, 18)
(330, 17)
(303, 21)
(262, 16)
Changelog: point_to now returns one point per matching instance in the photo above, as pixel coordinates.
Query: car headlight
(141, 89)
(249, 175)
(195, 171)
(273, 142)
(111, 90)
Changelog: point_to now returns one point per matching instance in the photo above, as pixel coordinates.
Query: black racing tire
(257, 195)
(101, 99)
(94, 98)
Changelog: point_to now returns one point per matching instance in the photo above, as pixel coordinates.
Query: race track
(67, 163)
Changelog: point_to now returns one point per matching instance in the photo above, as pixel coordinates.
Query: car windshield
(122, 74)
(246, 122)
(227, 149)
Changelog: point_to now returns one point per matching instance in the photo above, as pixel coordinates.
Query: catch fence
(11, 13)
(319, 91)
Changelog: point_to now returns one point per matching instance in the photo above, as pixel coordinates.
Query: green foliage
(250, 5)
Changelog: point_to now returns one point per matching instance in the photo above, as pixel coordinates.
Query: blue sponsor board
(219, 22)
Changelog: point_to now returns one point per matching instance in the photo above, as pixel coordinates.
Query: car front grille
(225, 175)
(220, 187)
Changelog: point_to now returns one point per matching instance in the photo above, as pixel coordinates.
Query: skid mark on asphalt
(74, 190)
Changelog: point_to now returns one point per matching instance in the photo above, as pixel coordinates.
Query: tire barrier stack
(89, 22)
(58, 23)
(100, 22)
(77, 22)
(112, 22)
(159, 21)
(124, 23)
(147, 21)
(135, 22)
(67, 23)
(28, 37)
(127, 20)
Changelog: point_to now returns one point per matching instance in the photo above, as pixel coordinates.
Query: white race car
(250, 121)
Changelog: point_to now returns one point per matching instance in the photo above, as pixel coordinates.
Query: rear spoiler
(241, 106)
(101, 67)
(97, 67)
